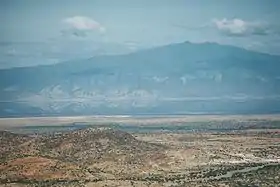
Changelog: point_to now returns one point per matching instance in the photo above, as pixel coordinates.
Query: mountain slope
(178, 78)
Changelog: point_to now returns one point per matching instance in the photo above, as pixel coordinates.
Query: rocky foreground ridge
(83, 155)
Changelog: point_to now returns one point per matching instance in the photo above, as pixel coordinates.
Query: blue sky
(43, 32)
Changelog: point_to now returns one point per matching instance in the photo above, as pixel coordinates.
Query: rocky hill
(10, 142)
(88, 154)
(94, 144)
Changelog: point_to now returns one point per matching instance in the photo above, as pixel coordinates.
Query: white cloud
(81, 26)
(239, 27)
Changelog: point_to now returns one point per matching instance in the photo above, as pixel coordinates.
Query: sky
(35, 32)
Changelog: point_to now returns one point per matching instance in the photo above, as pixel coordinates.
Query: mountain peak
(185, 77)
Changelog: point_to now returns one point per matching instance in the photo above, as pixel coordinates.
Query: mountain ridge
(190, 77)
(143, 50)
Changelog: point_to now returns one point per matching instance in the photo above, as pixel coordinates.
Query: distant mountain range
(183, 78)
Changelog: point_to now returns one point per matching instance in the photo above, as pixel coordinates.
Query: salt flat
(123, 119)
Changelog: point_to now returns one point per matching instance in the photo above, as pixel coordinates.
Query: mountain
(179, 78)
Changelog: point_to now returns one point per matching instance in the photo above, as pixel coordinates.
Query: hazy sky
(50, 28)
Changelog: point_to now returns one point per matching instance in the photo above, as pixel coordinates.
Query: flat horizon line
(131, 120)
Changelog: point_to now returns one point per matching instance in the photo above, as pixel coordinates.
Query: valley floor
(152, 159)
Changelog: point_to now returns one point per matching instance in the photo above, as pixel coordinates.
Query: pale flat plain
(122, 119)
